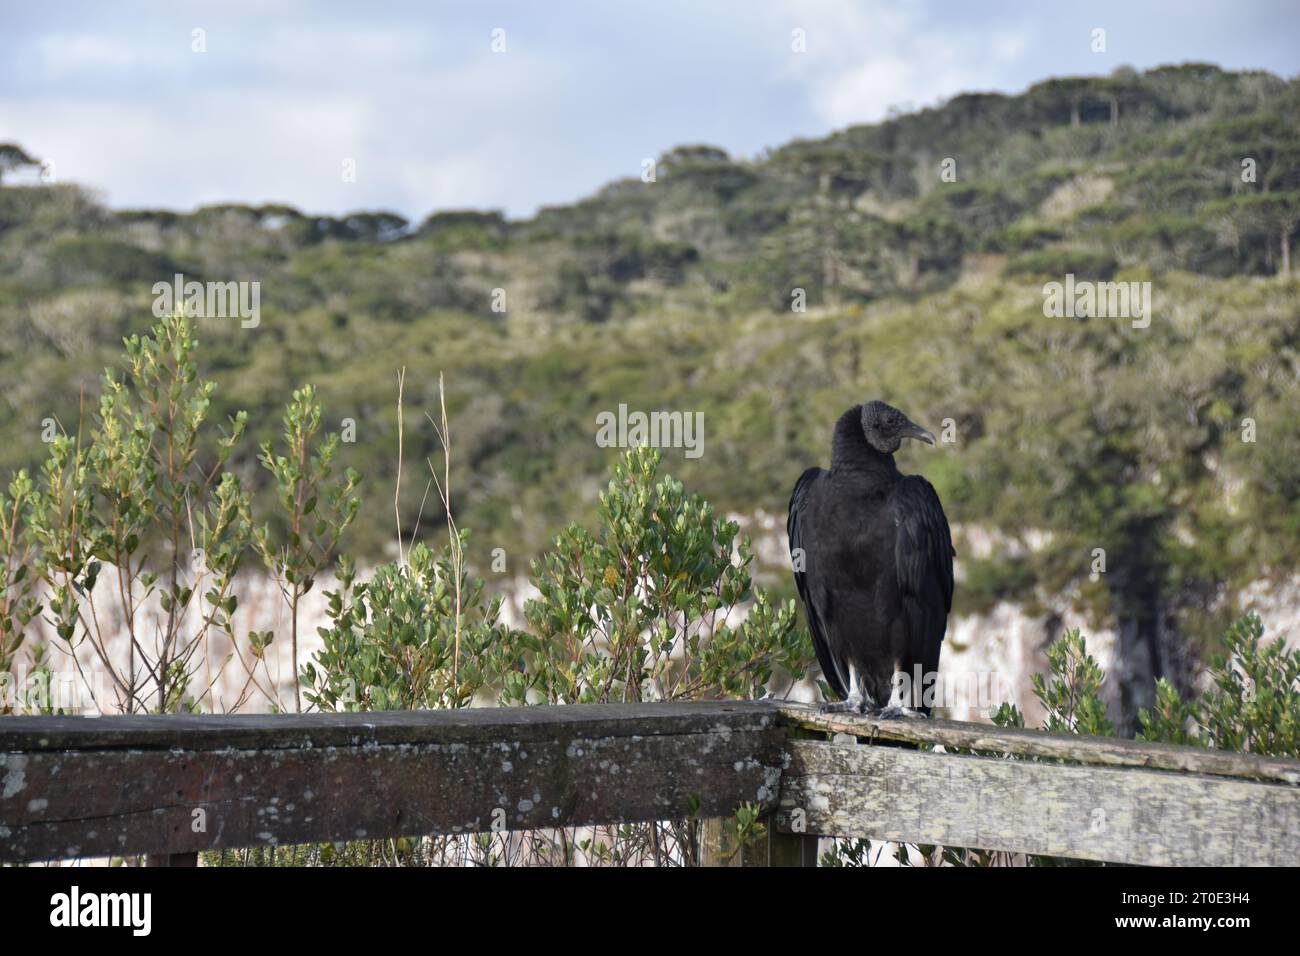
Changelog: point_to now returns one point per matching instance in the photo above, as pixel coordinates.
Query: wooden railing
(170, 786)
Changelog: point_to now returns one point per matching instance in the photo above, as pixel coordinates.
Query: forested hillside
(921, 246)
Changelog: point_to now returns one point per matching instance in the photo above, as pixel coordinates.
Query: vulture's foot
(853, 704)
(899, 713)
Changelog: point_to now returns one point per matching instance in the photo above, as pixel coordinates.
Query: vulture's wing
(798, 528)
(923, 563)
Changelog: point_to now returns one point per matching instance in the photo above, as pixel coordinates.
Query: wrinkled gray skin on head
(885, 427)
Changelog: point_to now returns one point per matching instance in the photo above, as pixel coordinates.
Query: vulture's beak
(914, 430)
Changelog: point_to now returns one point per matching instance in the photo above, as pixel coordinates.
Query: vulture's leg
(901, 697)
(858, 701)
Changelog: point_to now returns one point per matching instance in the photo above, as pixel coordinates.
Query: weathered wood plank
(274, 731)
(1099, 751)
(575, 766)
(1127, 815)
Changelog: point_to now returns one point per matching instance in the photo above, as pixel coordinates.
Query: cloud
(60, 55)
(221, 146)
(274, 119)
(864, 58)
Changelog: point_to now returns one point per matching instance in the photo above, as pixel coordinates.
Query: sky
(517, 105)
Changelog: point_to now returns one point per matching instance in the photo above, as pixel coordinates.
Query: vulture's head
(885, 427)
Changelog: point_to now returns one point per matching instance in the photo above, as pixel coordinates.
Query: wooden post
(171, 859)
(779, 845)
(713, 851)
(788, 849)
(774, 848)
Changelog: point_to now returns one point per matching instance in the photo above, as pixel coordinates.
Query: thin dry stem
(397, 492)
(444, 492)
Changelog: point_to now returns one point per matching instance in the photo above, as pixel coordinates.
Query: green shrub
(1054, 263)
(19, 602)
(640, 609)
(90, 259)
(145, 498)
(1251, 706)
(315, 510)
(410, 638)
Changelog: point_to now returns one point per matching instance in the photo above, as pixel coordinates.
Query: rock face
(991, 658)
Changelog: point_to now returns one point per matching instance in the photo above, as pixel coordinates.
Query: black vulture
(872, 558)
